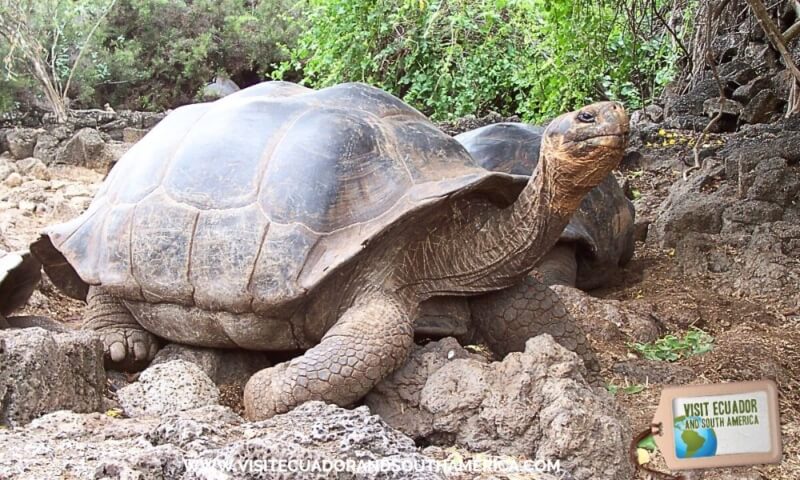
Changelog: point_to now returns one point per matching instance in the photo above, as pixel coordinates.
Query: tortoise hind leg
(506, 319)
(368, 342)
(128, 346)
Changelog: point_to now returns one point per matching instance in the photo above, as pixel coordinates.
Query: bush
(50, 46)
(450, 58)
(162, 52)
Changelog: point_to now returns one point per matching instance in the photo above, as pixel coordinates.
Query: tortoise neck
(488, 248)
(532, 225)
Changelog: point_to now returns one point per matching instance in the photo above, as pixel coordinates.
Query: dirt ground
(754, 339)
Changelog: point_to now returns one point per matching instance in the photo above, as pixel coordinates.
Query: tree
(46, 40)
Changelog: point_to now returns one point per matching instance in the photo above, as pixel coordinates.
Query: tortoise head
(582, 147)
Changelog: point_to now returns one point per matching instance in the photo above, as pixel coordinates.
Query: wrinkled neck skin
(480, 247)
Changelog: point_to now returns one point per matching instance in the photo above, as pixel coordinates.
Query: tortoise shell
(249, 202)
(19, 275)
(602, 227)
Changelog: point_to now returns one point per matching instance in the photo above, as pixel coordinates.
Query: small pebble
(13, 180)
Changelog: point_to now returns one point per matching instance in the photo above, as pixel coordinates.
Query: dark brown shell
(248, 202)
(602, 227)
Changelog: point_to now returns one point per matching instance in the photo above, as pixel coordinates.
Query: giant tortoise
(283, 218)
(596, 243)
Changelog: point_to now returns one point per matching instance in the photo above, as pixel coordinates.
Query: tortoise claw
(128, 348)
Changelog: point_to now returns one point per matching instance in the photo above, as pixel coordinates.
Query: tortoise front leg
(506, 319)
(128, 346)
(559, 266)
(370, 340)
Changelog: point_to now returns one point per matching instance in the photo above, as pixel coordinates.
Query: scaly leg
(508, 318)
(559, 266)
(370, 340)
(128, 346)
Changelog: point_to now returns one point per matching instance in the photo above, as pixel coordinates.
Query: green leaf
(648, 443)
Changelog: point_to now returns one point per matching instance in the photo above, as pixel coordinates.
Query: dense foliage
(164, 51)
(151, 54)
(41, 41)
(448, 58)
(454, 57)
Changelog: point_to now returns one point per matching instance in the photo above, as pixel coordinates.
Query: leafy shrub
(161, 52)
(455, 57)
(672, 348)
(50, 45)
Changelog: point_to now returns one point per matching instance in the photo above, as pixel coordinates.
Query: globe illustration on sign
(694, 442)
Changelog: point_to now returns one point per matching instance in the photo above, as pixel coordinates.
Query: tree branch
(791, 33)
(776, 38)
(83, 48)
(672, 32)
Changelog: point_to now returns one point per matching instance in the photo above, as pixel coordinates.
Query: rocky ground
(718, 249)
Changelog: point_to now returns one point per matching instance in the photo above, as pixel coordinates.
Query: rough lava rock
(21, 142)
(536, 404)
(87, 149)
(693, 205)
(47, 148)
(42, 371)
(610, 319)
(221, 366)
(209, 443)
(761, 107)
(737, 222)
(168, 387)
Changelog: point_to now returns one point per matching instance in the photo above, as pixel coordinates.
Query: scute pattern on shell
(248, 202)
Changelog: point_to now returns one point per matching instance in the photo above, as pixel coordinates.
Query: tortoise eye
(585, 117)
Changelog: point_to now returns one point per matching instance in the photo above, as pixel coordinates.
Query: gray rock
(30, 321)
(46, 148)
(133, 135)
(712, 106)
(686, 122)
(13, 180)
(609, 319)
(33, 167)
(536, 404)
(750, 212)
(761, 107)
(87, 149)
(224, 367)
(21, 142)
(783, 81)
(220, 87)
(6, 168)
(168, 387)
(758, 53)
(737, 72)
(654, 113)
(692, 102)
(41, 372)
(649, 115)
(773, 180)
(745, 93)
(725, 47)
(693, 205)
(200, 443)
(763, 262)
(745, 152)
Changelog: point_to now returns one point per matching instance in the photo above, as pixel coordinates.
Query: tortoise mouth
(616, 140)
